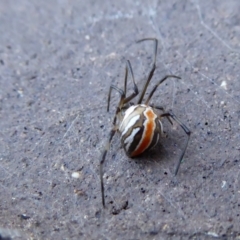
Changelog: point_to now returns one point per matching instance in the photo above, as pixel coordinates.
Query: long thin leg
(186, 130)
(126, 78)
(121, 103)
(135, 88)
(156, 86)
(111, 134)
(162, 109)
(152, 69)
(123, 92)
(102, 162)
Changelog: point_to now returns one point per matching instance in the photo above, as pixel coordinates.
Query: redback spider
(139, 124)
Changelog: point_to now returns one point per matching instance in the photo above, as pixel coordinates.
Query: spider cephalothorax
(139, 124)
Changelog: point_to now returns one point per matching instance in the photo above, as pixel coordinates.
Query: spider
(139, 124)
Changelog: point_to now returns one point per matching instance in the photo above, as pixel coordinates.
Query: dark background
(57, 61)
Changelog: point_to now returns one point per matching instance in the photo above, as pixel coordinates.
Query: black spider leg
(156, 86)
(111, 134)
(169, 115)
(152, 69)
(123, 100)
(186, 130)
(162, 109)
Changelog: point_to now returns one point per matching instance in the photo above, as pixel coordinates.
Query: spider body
(139, 124)
(140, 129)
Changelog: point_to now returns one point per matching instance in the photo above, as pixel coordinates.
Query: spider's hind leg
(124, 101)
(107, 146)
(161, 108)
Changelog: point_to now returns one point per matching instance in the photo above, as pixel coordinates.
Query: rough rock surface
(57, 61)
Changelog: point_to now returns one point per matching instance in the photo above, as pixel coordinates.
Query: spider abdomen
(140, 129)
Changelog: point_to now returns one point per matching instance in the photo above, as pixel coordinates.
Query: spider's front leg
(123, 100)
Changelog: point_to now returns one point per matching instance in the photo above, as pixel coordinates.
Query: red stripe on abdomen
(149, 128)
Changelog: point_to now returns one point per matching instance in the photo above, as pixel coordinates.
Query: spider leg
(121, 92)
(102, 162)
(186, 130)
(135, 93)
(111, 134)
(152, 69)
(124, 99)
(156, 86)
(162, 109)
(157, 107)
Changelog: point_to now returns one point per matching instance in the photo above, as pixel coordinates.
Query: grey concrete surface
(57, 61)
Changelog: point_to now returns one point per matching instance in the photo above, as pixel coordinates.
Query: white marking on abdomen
(129, 124)
(146, 129)
(129, 111)
(130, 138)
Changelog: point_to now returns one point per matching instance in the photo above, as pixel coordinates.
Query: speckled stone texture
(57, 61)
